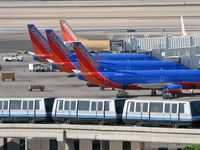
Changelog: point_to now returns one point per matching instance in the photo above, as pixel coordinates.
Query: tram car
(151, 112)
(25, 109)
(87, 111)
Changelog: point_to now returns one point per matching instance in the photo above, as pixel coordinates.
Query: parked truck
(38, 68)
(13, 57)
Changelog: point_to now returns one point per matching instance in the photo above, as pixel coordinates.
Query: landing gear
(122, 93)
(153, 93)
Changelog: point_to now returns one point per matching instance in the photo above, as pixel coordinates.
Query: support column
(85, 145)
(68, 145)
(13, 144)
(37, 143)
(137, 145)
(104, 145)
(1, 143)
(115, 145)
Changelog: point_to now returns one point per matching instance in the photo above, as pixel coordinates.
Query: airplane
(42, 51)
(172, 81)
(65, 57)
(70, 36)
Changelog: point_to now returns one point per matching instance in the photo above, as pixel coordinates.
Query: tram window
(0, 104)
(100, 106)
(15, 104)
(61, 105)
(73, 105)
(83, 105)
(37, 104)
(167, 108)
(66, 105)
(24, 105)
(93, 107)
(157, 107)
(107, 106)
(138, 107)
(181, 108)
(30, 105)
(145, 107)
(174, 108)
(132, 106)
(5, 105)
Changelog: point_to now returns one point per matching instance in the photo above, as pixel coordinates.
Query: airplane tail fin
(61, 53)
(39, 43)
(86, 60)
(91, 69)
(67, 32)
(183, 33)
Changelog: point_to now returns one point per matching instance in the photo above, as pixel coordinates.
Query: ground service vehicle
(13, 57)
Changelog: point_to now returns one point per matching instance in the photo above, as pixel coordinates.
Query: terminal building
(183, 49)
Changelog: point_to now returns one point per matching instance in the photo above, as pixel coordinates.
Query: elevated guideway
(62, 132)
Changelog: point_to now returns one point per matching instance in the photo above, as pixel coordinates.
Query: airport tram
(136, 111)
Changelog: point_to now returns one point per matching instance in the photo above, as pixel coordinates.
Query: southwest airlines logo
(40, 38)
(60, 44)
(88, 56)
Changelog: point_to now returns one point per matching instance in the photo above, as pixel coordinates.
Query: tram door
(167, 112)
(25, 107)
(145, 110)
(130, 109)
(174, 111)
(94, 109)
(73, 109)
(60, 109)
(100, 110)
(138, 110)
(1, 108)
(31, 108)
(5, 111)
